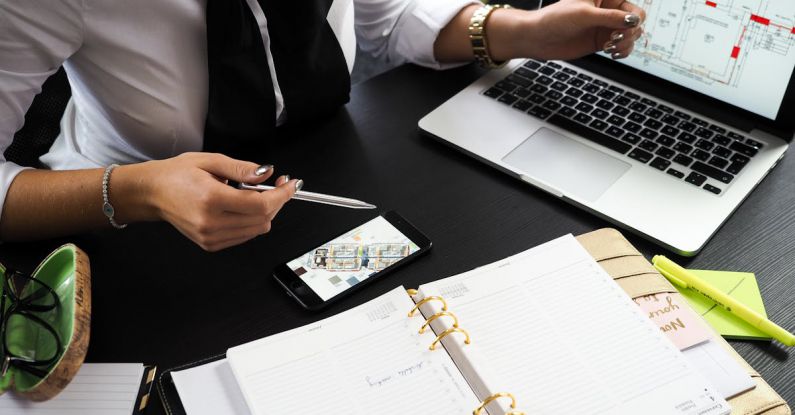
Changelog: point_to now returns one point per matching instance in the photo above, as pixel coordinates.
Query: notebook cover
(638, 277)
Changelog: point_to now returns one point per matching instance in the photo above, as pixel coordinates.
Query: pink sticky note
(671, 313)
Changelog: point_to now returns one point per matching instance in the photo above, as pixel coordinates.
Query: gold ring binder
(450, 331)
(425, 300)
(437, 315)
(412, 292)
(494, 397)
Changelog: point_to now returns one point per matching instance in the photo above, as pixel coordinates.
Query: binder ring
(448, 332)
(425, 300)
(411, 291)
(437, 315)
(494, 397)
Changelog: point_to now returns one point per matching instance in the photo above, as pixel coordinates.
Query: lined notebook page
(367, 360)
(97, 389)
(551, 327)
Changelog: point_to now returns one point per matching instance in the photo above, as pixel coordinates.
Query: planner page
(367, 360)
(550, 326)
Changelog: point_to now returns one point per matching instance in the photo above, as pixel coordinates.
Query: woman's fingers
(633, 9)
(621, 54)
(281, 195)
(220, 245)
(238, 236)
(189, 192)
(233, 214)
(622, 42)
(229, 199)
(291, 186)
(282, 179)
(225, 167)
(614, 18)
(216, 232)
(227, 220)
(228, 244)
(619, 42)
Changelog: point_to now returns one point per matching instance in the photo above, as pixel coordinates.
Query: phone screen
(352, 258)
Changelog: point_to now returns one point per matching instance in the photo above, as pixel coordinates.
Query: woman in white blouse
(138, 72)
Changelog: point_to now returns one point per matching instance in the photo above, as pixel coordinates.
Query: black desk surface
(157, 298)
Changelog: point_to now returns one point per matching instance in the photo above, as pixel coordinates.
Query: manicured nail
(286, 178)
(617, 55)
(262, 169)
(610, 47)
(632, 20)
(616, 37)
(299, 185)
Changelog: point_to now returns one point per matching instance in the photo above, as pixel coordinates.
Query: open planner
(544, 331)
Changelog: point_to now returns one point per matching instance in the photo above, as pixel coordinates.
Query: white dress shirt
(138, 69)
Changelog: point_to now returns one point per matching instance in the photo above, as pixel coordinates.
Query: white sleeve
(36, 36)
(404, 30)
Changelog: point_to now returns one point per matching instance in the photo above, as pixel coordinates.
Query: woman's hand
(567, 29)
(190, 192)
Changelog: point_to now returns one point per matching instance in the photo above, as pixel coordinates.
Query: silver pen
(314, 197)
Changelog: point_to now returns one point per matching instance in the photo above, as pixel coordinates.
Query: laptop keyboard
(684, 146)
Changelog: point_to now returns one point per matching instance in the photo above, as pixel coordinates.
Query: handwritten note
(678, 321)
(378, 381)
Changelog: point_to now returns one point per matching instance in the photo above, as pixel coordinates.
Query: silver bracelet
(107, 208)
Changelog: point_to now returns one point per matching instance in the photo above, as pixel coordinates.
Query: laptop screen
(741, 52)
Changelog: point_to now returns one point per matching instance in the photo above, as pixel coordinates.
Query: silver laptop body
(668, 210)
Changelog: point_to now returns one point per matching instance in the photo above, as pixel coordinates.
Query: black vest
(310, 67)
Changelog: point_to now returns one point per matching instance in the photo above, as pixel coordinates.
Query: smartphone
(350, 261)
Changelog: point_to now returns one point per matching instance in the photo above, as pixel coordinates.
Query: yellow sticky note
(739, 285)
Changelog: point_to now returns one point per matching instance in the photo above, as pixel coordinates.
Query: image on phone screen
(352, 258)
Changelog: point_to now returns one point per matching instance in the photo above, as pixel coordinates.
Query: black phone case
(168, 391)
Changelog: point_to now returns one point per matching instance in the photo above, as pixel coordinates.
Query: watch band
(107, 208)
(478, 38)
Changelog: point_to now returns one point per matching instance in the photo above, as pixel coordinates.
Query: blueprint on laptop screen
(739, 51)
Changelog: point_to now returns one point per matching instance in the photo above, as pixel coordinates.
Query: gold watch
(477, 35)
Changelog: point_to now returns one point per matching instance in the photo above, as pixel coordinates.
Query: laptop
(666, 143)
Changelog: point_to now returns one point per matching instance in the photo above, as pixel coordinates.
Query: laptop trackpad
(567, 165)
